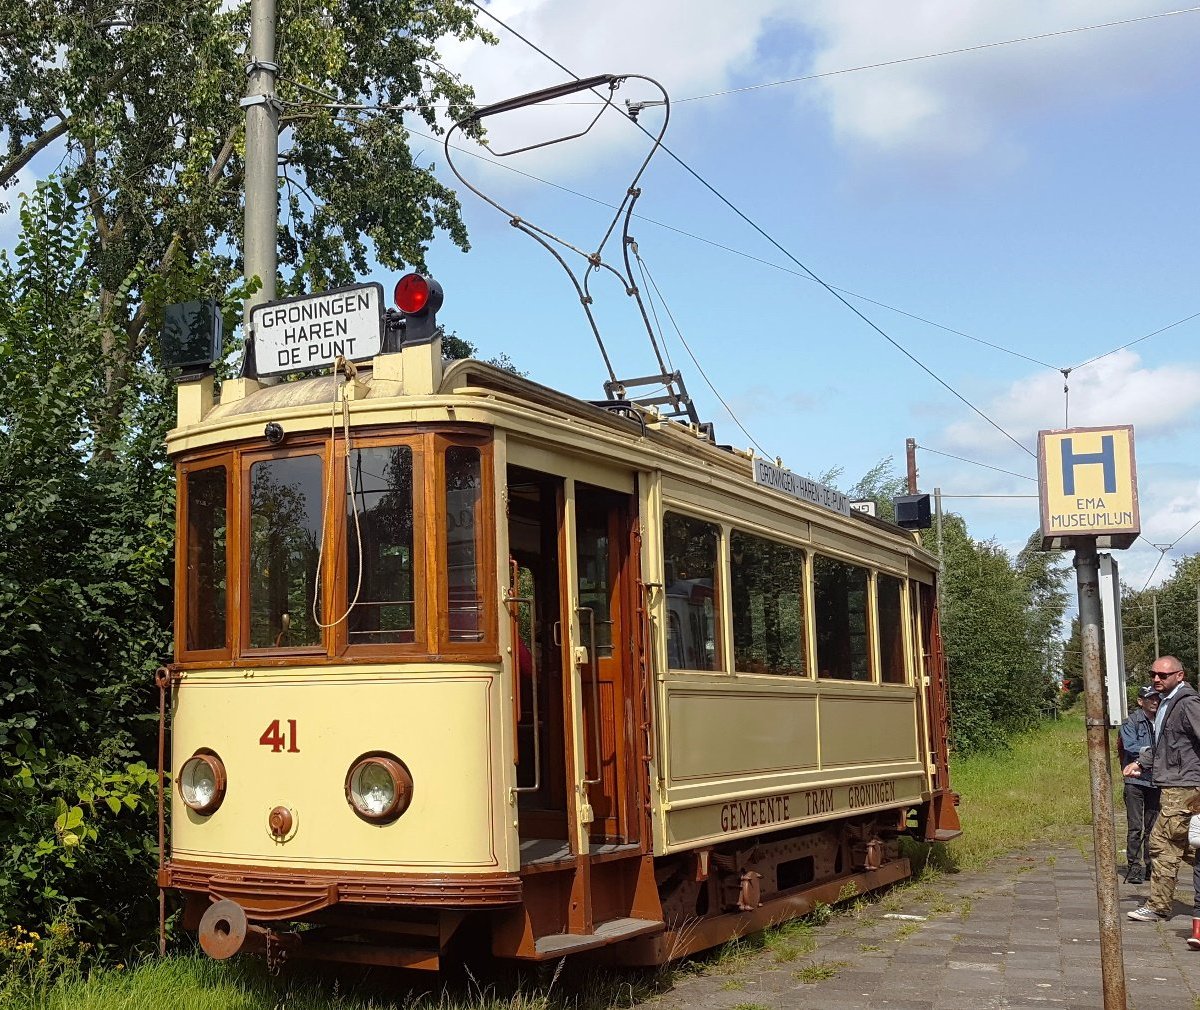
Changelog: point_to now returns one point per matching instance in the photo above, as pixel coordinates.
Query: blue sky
(1040, 196)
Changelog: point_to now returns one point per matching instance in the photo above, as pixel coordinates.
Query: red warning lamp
(412, 293)
(418, 298)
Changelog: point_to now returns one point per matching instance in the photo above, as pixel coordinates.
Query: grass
(819, 971)
(1037, 791)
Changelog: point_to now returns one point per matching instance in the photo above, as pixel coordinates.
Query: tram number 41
(273, 737)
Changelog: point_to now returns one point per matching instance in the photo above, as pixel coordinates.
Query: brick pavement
(1021, 933)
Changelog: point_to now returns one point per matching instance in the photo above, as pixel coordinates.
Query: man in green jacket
(1175, 761)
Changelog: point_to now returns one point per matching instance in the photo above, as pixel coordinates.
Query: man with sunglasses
(1175, 760)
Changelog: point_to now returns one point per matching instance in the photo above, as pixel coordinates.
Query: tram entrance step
(605, 933)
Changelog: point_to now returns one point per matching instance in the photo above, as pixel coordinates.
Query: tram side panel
(740, 755)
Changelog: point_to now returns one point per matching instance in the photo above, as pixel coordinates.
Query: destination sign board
(1088, 486)
(801, 488)
(312, 330)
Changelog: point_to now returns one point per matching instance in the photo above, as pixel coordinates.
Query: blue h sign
(1107, 457)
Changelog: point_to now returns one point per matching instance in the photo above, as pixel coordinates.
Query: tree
(142, 97)
(84, 591)
(996, 617)
(139, 99)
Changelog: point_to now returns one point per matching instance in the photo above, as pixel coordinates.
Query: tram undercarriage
(643, 910)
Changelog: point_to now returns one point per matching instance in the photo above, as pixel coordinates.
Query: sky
(1039, 196)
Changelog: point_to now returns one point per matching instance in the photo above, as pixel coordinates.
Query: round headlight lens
(379, 787)
(202, 782)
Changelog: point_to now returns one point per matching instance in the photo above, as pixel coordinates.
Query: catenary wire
(332, 104)
(938, 55)
(742, 253)
(1162, 329)
(745, 255)
(699, 368)
(758, 228)
(950, 455)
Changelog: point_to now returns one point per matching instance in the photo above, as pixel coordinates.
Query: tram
(463, 660)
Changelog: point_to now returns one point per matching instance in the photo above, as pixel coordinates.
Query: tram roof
(381, 383)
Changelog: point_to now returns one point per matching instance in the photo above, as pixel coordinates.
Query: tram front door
(572, 583)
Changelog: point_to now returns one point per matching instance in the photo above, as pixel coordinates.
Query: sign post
(1087, 484)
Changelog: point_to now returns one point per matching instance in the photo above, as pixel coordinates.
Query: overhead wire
(950, 455)
(722, 246)
(728, 203)
(938, 55)
(699, 367)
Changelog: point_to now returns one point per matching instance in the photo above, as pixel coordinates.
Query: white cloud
(689, 47)
(968, 104)
(933, 110)
(1117, 389)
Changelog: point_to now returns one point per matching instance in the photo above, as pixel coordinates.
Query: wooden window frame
(902, 621)
(868, 613)
(417, 443)
(441, 648)
(722, 646)
(805, 590)
(247, 458)
(183, 472)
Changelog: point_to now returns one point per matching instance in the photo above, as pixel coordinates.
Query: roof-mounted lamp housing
(191, 336)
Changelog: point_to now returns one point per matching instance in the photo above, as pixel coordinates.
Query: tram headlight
(379, 787)
(201, 782)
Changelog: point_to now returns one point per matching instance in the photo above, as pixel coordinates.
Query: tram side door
(602, 600)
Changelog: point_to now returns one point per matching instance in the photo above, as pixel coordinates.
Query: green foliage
(142, 102)
(1176, 602)
(84, 592)
(998, 619)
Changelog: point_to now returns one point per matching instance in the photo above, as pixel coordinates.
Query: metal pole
(1157, 651)
(937, 513)
(262, 156)
(910, 457)
(1112, 960)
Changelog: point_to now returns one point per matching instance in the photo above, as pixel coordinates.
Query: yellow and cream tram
(462, 657)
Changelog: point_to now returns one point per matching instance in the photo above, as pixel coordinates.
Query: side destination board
(801, 488)
(312, 330)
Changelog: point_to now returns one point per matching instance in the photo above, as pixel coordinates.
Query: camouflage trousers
(1168, 843)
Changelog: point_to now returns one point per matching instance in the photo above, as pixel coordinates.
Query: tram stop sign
(1087, 483)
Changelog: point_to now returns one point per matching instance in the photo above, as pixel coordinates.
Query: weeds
(819, 971)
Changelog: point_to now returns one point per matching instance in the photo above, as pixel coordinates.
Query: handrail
(537, 744)
(593, 661)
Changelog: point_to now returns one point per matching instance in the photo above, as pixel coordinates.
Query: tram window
(840, 604)
(690, 563)
(380, 494)
(891, 630)
(285, 532)
(767, 588)
(464, 500)
(207, 564)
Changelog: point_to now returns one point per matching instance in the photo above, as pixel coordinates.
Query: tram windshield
(271, 567)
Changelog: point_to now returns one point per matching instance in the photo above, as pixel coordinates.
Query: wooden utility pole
(910, 457)
(1112, 957)
(1157, 650)
(1088, 494)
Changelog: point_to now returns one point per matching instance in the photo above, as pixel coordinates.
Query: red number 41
(273, 737)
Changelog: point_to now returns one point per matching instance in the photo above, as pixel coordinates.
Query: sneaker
(1147, 914)
(1135, 876)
